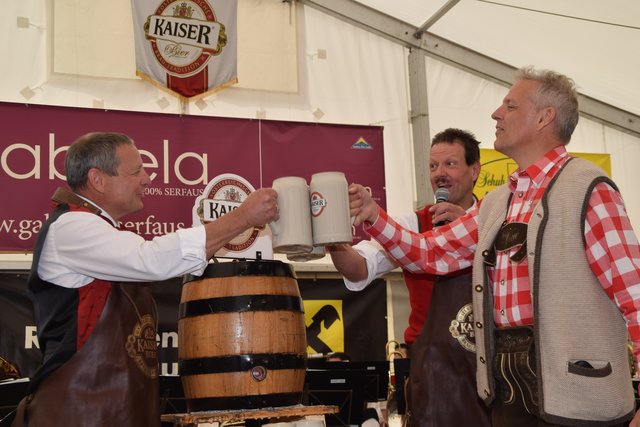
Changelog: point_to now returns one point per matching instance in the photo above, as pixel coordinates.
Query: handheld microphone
(441, 195)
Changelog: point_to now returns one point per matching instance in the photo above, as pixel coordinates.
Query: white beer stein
(330, 215)
(292, 233)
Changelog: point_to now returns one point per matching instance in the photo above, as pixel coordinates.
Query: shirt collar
(538, 171)
(474, 204)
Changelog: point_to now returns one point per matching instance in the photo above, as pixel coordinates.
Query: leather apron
(443, 364)
(113, 379)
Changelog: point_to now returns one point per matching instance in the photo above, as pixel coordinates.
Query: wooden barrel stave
(233, 333)
(236, 384)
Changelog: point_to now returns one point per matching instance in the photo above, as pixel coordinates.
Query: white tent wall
(363, 80)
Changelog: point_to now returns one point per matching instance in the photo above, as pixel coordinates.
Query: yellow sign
(325, 326)
(497, 167)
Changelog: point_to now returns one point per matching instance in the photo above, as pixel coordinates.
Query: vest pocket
(589, 368)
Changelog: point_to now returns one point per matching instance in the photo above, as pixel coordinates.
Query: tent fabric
(591, 41)
(362, 78)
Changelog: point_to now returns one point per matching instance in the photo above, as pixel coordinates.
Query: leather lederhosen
(443, 365)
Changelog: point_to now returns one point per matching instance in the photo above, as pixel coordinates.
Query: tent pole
(419, 118)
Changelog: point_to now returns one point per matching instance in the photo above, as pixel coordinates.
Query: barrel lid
(243, 267)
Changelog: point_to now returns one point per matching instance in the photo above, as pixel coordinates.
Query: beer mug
(330, 217)
(292, 233)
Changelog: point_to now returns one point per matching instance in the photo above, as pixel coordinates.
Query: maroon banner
(181, 154)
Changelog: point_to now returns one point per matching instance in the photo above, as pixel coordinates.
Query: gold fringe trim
(182, 97)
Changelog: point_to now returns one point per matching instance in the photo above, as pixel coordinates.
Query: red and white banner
(189, 48)
(182, 154)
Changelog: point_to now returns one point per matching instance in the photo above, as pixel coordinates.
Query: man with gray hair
(556, 269)
(89, 285)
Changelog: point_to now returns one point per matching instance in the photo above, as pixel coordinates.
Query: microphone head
(442, 194)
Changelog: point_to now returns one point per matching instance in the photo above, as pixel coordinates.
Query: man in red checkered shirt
(556, 269)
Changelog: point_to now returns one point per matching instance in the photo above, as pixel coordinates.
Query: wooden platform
(287, 413)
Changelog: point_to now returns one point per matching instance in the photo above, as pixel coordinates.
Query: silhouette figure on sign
(326, 316)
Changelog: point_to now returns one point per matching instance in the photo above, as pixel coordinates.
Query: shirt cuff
(376, 228)
(193, 242)
(355, 286)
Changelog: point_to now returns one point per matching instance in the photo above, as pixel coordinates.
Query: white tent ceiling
(596, 42)
(593, 41)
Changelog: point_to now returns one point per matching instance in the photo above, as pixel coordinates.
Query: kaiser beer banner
(180, 153)
(189, 48)
(496, 168)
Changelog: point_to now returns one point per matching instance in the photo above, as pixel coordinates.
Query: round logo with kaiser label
(318, 203)
(141, 346)
(184, 35)
(461, 328)
(222, 195)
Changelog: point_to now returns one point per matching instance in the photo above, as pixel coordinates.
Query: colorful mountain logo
(361, 144)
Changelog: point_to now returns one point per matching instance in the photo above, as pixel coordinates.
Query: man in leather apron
(441, 387)
(89, 279)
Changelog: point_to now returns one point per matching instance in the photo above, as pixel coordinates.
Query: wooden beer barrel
(241, 337)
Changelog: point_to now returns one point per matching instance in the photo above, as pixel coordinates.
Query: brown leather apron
(113, 379)
(443, 365)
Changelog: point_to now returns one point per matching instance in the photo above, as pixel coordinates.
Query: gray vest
(574, 318)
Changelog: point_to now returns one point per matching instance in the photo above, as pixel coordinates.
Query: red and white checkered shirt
(612, 247)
